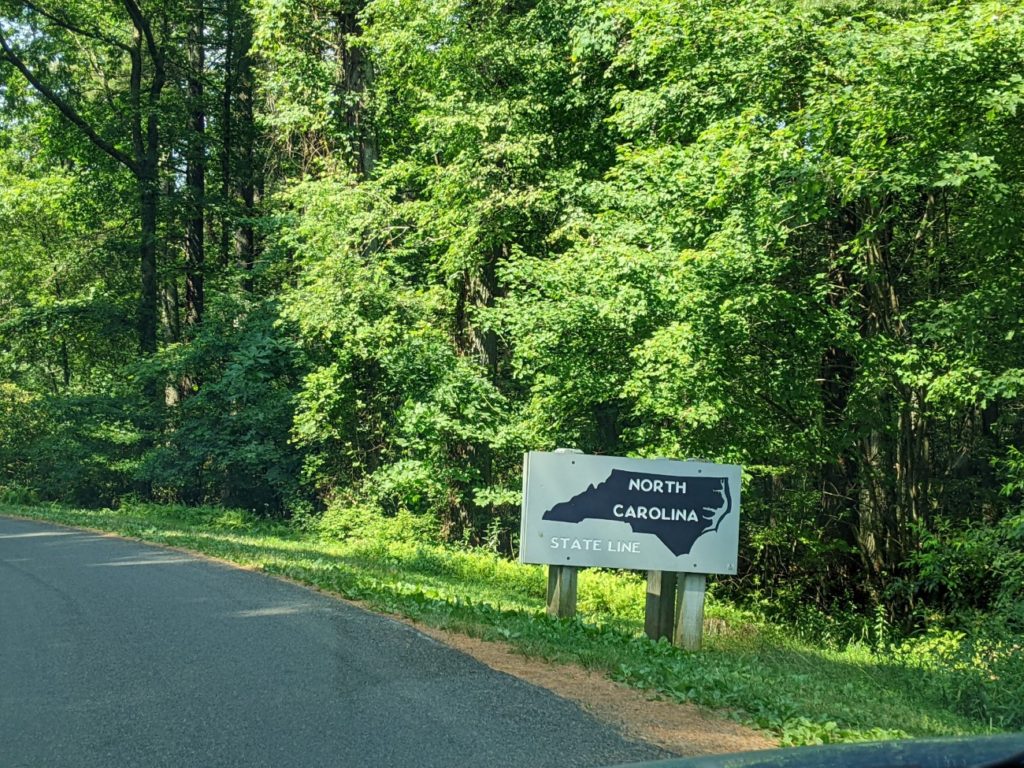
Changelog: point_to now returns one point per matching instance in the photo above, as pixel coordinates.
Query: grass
(753, 671)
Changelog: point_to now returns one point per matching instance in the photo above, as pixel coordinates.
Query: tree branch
(68, 25)
(64, 108)
(156, 84)
(141, 23)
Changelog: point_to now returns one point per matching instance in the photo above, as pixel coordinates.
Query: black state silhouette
(707, 496)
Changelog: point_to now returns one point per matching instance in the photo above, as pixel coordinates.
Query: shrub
(980, 673)
(348, 518)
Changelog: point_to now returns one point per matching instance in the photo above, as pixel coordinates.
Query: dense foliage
(343, 261)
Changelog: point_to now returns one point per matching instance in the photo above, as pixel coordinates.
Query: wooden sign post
(660, 610)
(562, 591)
(689, 630)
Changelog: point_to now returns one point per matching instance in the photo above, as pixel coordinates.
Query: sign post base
(689, 629)
(562, 591)
(660, 611)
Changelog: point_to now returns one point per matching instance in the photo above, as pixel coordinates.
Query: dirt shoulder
(683, 729)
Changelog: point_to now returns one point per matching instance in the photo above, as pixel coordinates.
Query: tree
(34, 38)
(838, 208)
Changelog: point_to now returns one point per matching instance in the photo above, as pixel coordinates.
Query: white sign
(642, 514)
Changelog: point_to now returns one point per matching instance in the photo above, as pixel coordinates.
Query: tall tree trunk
(146, 54)
(148, 307)
(195, 174)
(478, 289)
(894, 449)
(353, 81)
(227, 129)
(838, 374)
(245, 178)
(65, 357)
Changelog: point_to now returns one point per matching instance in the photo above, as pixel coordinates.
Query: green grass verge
(752, 671)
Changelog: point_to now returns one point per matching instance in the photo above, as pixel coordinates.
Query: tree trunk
(894, 449)
(195, 176)
(231, 12)
(478, 289)
(838, 375)
(65, 357)
(148, 308)
(353, 82)
(245, 235)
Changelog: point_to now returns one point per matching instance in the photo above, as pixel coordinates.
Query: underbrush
(979, 675)
(754, 671)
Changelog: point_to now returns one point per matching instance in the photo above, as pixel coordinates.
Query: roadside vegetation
(340, 264)
(802, 690)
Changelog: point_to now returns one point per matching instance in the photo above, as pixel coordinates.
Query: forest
(343, 261)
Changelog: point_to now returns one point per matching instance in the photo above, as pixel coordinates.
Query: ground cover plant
(337, 264)
(752, 670)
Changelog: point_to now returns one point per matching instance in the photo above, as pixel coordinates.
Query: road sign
(643, 514)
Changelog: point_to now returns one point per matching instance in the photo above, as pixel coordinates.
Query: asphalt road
(114, 653)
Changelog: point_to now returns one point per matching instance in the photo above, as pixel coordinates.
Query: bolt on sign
(642, 514)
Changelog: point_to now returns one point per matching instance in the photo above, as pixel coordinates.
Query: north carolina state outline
(678, 510)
